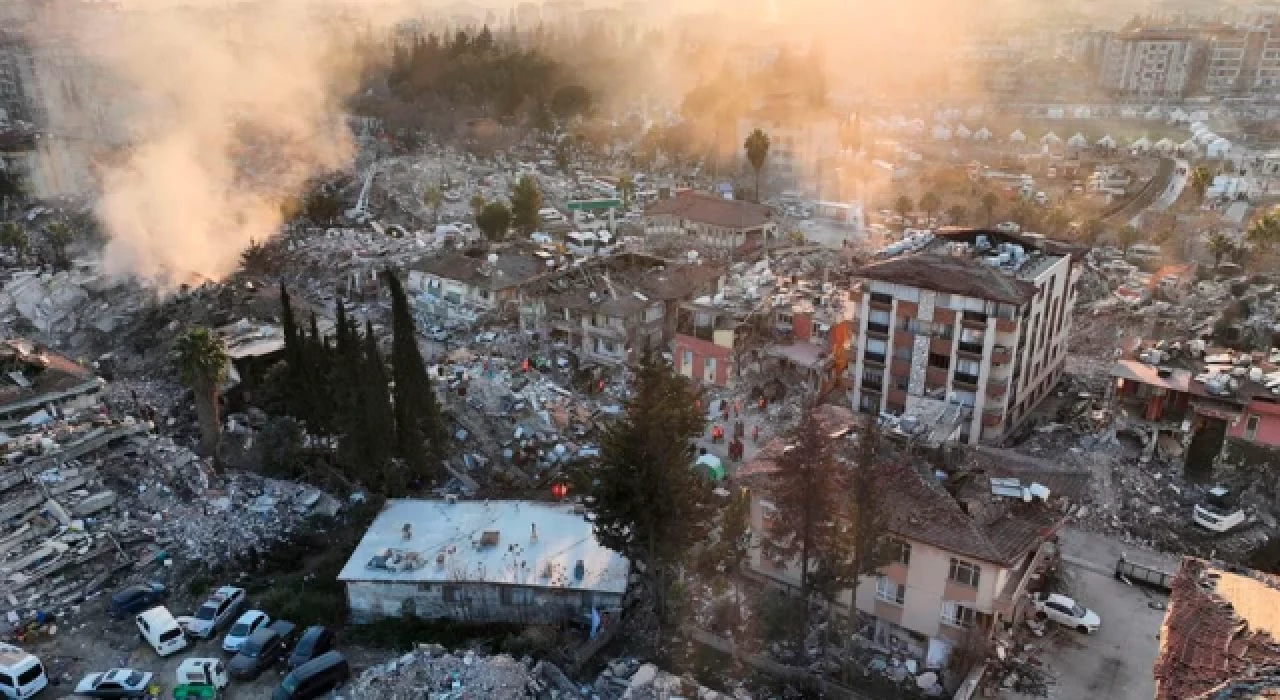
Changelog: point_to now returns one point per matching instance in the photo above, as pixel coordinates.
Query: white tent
(1206, 137)
(941, 132)
(963, 132)
(1177, 116)
(1050, 139)
(1017, 136)
(1082, 113)
(1107, 142)
(1142, 145)
(1189, 147)
(1218, 149)
(1128, 113)
(1078, 141)
(1197, 127)
(1198, 115)
(982, 134)
(1153, 113)
(1165, 145)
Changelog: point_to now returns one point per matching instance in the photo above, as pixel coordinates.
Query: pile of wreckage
(431, 671)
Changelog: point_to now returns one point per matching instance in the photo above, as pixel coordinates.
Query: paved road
(1181, 176)
(1157, 186)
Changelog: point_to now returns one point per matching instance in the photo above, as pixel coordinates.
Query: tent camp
(962, 131)
(1106, 142)
(941, 132)
(1218, 149)
(1017, 136)
(1166, 146)
(1050, 139)
(1078, 142)
(1141, 145)
(983, 134)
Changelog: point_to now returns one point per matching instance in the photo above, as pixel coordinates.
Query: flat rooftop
(485, 542)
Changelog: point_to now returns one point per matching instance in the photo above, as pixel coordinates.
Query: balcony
(873, 358)
(1001, 355)
(965, 381)
(877, 329)
(991, 418)
(883, 302)
(997, 388)
(876, 386)
(972, 350)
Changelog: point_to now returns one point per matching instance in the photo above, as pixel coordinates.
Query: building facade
(1148, 63)
(948, 324)
(712, 220)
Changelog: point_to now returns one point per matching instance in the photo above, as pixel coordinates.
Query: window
(709, 369)
(957, 615)
(687, 360)
(877, 347)
(899, 551)
(964, 572)
(1251, 428)
(969, 367)
(516, 595)
(890, 592)
(450, 594)
(939, 361)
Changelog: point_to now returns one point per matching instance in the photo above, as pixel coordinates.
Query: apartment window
(939, 361)
(709, 369)
(890, 592)
(969, 367)
(873, 377)
(688, 360)
(957, 615)
(899, 551)
(964, 572)
(1251, 428)
(902, 353)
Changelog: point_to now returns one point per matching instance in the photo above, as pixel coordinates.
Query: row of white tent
(1177, 115)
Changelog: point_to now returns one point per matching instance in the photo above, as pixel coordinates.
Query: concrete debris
(429, 672)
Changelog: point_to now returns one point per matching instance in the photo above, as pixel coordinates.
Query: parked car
(116, 683)
(314, 678)
(315, 641)
(248, 623)
(21, 674)
(202, 672)
(159, 628)
(1065, 611)
(132, 600)
(216, 612)
(262, 650)
(1220, 511)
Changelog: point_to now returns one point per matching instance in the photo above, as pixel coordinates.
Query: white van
(21, 674)
(161, 631)
(211, 672)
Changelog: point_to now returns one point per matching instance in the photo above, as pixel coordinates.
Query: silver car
(216, 612)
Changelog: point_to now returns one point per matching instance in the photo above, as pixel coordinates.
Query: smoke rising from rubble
(223, 121)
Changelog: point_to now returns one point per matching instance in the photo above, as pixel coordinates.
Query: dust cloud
(220, 118)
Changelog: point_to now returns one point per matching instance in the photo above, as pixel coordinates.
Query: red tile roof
(1219, 635)
(711, 210)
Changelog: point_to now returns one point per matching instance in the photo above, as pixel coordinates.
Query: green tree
(989, 202)
(202, 365)
(1056, 221)
(1220, 246)
(1264, 232)
(58, 236)
(259, 259)
(421, 438)
(1091, 230)
(903, 206)
(757, 148)
(645, 499)
(1127, 236)
(477, 204)
(930, 203)
(1200, 179)
(15, 239)
(626, 190)
(379, 417)
(571, 101)
(10, 188)
(322, 207)
(433, 199)
(494, 221)
(957, 215)
(526, 200)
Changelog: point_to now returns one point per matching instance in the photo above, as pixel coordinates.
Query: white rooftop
(445, 546)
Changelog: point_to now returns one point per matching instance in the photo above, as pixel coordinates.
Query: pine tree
(646, 500)
(293, 351)
(379, 418)
(421, 438)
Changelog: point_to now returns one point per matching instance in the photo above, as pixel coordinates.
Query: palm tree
(957, 214)
(626, 190)
(757, 147)
(433, 199)
(903, 206)
(1200, 180)
(14, 238)
(989, 202)
(1264, 232)
(202, 365)
(58, 236)
(930, 204)
(1220, 246)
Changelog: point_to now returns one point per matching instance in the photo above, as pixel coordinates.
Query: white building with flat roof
(482, 561)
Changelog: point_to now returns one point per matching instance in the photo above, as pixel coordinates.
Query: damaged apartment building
(967, 543)
(975, 318)
(609, 310)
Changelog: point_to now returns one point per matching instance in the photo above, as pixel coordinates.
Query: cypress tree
(421, 438)
(378, 424)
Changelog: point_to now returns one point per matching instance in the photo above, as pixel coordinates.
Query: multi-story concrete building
(975, 318)
(964, 555)
(1149, 62)
(801, 137)
(709, 219)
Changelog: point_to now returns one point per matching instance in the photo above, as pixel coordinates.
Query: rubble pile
(430, 671)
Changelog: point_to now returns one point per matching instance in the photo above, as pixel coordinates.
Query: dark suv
(131, 600)
(314, 642)
(314, 678)
(262, 650)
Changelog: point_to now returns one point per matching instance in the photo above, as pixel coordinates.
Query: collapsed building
(970, 317)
